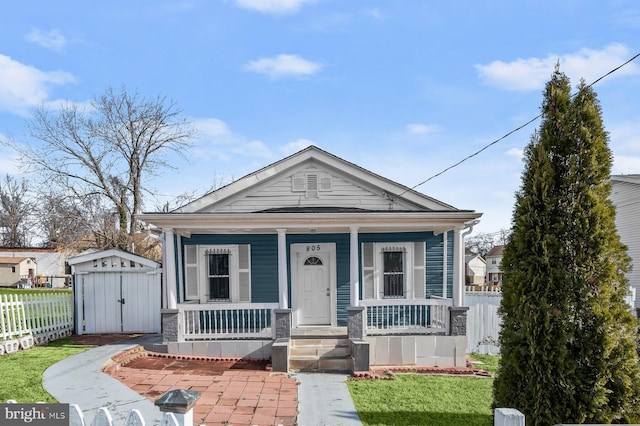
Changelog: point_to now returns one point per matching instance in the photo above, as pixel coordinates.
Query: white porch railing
(225, 321)
(407, 316)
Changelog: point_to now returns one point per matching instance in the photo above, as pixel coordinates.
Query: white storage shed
(116, 292)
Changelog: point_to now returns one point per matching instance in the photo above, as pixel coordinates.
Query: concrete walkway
(323, 399)
(78, 380)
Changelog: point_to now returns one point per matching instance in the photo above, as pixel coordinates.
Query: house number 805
(314, 248)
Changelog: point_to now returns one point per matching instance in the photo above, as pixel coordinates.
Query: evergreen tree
(568, 336)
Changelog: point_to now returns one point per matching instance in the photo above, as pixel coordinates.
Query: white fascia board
(256, 222)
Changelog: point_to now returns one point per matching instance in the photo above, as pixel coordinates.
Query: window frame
(407, 249)
(210, 276)
(196, 272)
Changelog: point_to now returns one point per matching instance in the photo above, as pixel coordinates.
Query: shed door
(124, 302)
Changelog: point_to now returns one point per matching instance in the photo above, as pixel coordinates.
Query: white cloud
(295, 146)
(216, 139)
(212, 127)
(515, 153)
(23, 87)
(422, 129)
(284, 66)
(53, 39)
(533, 73)
(276, 7)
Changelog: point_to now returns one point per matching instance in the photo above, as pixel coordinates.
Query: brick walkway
(232, 392)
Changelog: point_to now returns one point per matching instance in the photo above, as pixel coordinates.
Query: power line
(513, 131)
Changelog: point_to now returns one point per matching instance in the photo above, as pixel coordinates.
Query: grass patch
(424, 400)
(32, 290)
(489, 362)
(21, 372)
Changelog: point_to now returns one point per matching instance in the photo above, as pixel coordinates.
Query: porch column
(282, 269)
(353, 261)
(458, 268)
(169, 264)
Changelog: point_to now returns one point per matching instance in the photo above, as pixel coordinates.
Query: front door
(313, 283)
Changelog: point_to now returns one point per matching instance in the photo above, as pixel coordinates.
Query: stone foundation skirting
(250, 349)
(427, 350)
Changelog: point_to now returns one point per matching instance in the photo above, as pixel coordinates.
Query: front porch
(418, 332)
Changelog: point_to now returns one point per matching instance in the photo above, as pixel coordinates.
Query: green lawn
(21, 372)
(413, 399)
(32, 290)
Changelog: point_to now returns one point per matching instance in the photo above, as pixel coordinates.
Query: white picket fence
(32, 318)
(483, 322)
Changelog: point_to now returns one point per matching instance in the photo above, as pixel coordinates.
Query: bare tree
(15, 213)
(108, 150)
(482, 243)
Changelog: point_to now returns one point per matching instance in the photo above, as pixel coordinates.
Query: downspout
(459, 300)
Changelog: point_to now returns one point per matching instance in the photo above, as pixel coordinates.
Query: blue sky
(404, 88)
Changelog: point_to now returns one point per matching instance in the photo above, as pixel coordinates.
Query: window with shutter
(393, 270)
(218, 273)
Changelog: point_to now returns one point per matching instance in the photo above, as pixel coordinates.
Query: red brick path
(232, 392)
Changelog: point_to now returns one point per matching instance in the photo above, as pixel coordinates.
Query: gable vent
(311, 183)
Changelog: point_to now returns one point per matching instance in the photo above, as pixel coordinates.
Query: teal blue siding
(434, 256)
(264, 261)
(343, 298)
(450, 236)
(435, 275)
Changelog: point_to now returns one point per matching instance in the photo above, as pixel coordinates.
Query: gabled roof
(91, 255)
(10, 260)
(401, 194)
(633, 178)
(496, 251)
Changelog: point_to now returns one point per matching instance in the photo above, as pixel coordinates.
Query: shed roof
(10, 260)
(90, 256)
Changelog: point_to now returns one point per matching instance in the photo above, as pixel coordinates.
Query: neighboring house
(493, 260)
(476, 269)
(14, 270)
(315, 246)
(625, 195)
(52, 264)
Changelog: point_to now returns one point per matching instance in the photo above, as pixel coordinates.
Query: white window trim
(408, 265)
(203, 272)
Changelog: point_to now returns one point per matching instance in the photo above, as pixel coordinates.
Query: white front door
(313, 283)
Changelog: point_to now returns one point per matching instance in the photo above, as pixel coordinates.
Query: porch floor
(316, 331)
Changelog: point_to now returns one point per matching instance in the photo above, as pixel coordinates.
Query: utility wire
(512, 131)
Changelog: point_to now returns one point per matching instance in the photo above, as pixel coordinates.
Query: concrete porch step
(322, 365)
(320, 354)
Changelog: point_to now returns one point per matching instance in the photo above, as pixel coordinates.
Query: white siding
(626, 198)
(343, 193)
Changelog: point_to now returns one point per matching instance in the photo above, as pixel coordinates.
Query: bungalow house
(13, 270)
(625, 195)
(313, 258)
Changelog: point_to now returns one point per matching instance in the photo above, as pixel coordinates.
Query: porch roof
(312, 222)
